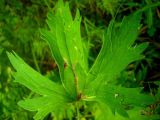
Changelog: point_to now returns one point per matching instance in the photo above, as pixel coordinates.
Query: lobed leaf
(116, 53)
(44, 105)
(53, 97)
(66, 44)
(117, 49)
(118, 98)
(33, 80)
(97, 85)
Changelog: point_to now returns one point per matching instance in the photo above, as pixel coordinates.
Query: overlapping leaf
(66, 44)
(67, 49)
(116, 53)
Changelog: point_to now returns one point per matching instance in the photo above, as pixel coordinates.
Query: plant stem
(148, 7)
(35, 61)
(37, 67)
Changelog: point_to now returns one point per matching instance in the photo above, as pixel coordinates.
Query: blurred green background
(20, 21)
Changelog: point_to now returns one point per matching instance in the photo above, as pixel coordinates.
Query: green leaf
(134, 114)
(53, 95)
(33, 80)
(122, 95)
(44, 105)
(47, 35)
(97, 84)
(1, 50)
(117, 98)
(66, 31)
(67, 49)
(66, 44)
(116, 53)
(149, 14)
(117, 50)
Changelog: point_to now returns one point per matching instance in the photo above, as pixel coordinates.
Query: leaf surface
(116, 53)
(117, 50)
(119, 99)
(53, 95)
(66, 44)
(44, 105)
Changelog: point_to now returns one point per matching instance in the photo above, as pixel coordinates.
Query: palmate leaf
(53, 95)
(116, 53)
(78, 83)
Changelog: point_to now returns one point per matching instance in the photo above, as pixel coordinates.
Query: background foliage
(20, 21)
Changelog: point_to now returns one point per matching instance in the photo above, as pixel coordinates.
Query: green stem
(148, 7)
(35, 61)
(37, 68)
